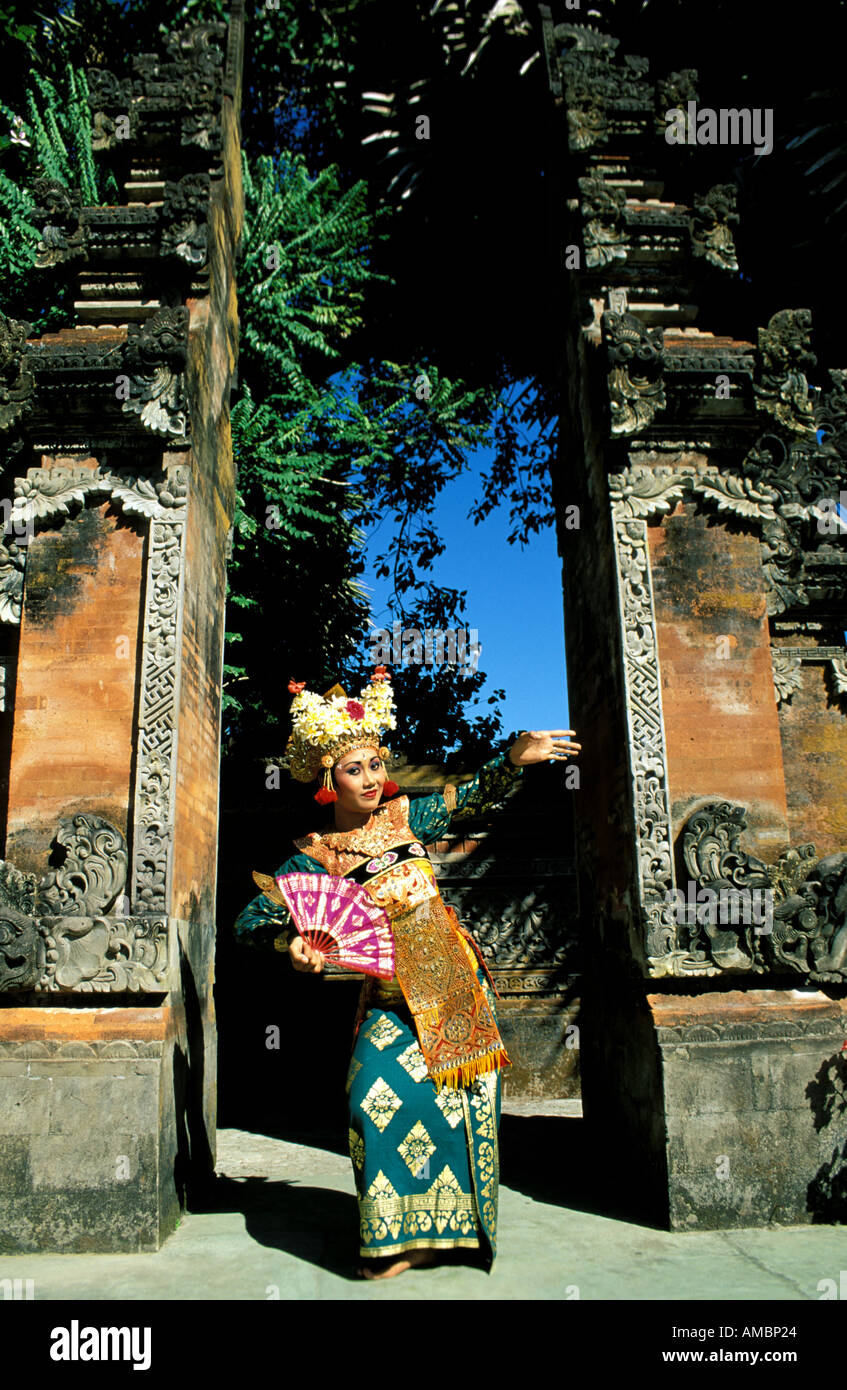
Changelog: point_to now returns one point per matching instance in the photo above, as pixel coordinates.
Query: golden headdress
(325, 727)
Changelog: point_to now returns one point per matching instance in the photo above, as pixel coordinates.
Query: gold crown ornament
(325, 727)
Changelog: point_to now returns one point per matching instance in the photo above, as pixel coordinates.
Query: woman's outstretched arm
(430, 816)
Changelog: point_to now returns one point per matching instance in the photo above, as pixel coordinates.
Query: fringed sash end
(465, 1073)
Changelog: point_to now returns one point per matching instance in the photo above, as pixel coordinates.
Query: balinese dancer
(424, 1079)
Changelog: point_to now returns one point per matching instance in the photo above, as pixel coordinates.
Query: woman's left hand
(542, 745)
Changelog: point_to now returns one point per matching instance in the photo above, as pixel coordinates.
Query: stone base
(88, 1136)
(723, 1109)
(754, 1131)
(542, 1039)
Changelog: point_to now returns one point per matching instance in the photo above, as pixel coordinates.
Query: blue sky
(514, 600)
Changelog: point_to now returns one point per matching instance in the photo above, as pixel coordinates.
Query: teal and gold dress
(424, 1078)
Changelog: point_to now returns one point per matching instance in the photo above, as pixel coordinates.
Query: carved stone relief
(156, 353)
(102, 955)
(788, 669)
(805, 931)
(89, 879)
(16, 380)
(711, 223)
(598, 88)
(674, 92)
(153, 358)
(176, 229)
(176, 95)
(635, 496)
(46, 493)
(636, 363)
(53, 936)
(515, 926)
(784, 354)
(604, 233)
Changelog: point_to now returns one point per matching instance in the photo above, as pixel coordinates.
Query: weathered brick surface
(89, 1025)
(75, 695)
(721, 725)
(814, 750)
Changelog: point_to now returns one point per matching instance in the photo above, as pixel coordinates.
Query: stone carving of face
(18, 951)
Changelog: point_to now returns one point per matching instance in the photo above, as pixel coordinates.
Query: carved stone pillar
(113, 580)
(704, 600)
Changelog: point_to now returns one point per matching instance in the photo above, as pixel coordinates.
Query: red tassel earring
(389, 788)
(327, 793)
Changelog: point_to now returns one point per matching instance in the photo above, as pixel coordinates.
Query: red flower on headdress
(295, 687)
(325, 796)
(355, 709)
(380, 674)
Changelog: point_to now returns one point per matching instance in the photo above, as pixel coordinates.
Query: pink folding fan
(338, 918)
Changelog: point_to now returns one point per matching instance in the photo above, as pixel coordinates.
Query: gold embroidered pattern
(342, 850)
(356, 1145)
(381, 1104)
(403, 886)
(353, 1071)
(412, 1061)
(457, 1030)
(483, 1105)
(416, 1148)
(383, 1033)
(380, 1188)
(444, 1208)
(450, 1105)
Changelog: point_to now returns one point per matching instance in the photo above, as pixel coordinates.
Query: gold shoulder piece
(449, 795)
(269, 888)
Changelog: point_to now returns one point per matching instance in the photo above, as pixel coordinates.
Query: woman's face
(359, 777)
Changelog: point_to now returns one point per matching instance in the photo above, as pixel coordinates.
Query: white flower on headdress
(327, 725)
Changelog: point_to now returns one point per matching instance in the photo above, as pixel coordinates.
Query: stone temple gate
(705, 609)
(116, 447)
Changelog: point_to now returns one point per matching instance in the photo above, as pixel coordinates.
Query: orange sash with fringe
(456, 1029)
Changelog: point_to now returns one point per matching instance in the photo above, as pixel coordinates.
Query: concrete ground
(282, 1224)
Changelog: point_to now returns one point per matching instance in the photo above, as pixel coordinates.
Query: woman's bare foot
(387, 1268)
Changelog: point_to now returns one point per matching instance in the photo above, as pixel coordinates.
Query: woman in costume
(424, 1078)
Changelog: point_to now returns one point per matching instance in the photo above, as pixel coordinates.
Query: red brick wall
(721, 723)
(814, 742)
(75, 694)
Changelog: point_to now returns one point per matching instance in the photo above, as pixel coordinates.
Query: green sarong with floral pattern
(425, 1161)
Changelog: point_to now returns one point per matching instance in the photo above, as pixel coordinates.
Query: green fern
(51, 139)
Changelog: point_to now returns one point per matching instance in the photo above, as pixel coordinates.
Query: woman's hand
(303, 957)
(542, 745)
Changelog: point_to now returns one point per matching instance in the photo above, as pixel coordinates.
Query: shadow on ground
(311, 1223)
(546, 1158)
